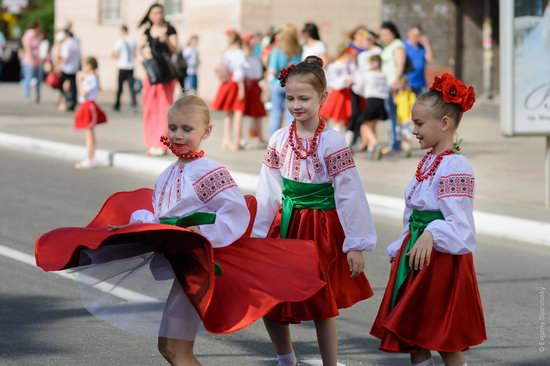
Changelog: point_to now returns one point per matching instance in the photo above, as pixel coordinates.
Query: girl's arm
(400, 57)
(351, 203)
(269, 192)
(455, 234)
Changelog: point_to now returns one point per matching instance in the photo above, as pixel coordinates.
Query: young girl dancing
(309, 188)
(162, 264)
(88, 114)
(432, 299)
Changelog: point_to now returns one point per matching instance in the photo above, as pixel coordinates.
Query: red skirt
(88, 115)
(227, 98)
(257, 274)
(324, 228)
(254, 107)
(438, 308)
(338, 105)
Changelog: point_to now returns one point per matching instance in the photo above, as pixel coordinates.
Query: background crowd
(374, 75)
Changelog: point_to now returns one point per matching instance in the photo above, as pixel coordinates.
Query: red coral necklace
(420, 176)
(293, 136)
(182, 151)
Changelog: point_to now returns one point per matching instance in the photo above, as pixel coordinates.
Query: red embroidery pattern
(456, 185)
(339, 161)
(178, 183)
(316, 163)
(272, 159)
(163, 189)
(213, 183)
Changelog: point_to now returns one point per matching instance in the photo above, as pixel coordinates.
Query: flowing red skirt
(338, 105)
(254, 107)
(227, 98)
(323, 227)
(438, 308)
(88, 115)
(257, 274)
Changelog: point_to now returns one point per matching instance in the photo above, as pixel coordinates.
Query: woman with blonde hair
(288, 51)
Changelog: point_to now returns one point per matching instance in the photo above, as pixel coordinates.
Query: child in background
(88, 114)
(253, 70)
(404, 100)
(432, 298)
(191, 55)
(339, 77)
(309, 189)
(372, 86)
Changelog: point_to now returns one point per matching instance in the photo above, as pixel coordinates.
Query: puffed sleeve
(269, 192)
(351, 202)
(455, 197)
(219, 193)
(143, 216)
(394, 247)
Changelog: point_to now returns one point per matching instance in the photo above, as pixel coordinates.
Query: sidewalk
(509, 171)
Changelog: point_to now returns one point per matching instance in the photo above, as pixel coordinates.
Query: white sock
(287, 360)
(428, 362)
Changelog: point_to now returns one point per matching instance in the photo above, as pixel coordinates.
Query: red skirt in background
(157, 99)
(254, 107)
(88, 115)
(324, 228)
(338, 106)
(438, 308)
(227, 98)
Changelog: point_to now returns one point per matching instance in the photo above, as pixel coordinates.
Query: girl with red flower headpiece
(309, 189)
(432, 299)
(168, 259)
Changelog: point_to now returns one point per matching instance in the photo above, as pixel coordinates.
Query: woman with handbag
(158, 44)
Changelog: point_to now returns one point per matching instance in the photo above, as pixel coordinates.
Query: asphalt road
(43, 323)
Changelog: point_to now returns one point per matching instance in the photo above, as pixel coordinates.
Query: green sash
(298, 195)
(194, 219)
(418, 221)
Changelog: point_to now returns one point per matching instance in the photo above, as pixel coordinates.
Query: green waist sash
(298, 195)
(194, 219)
(418, 221)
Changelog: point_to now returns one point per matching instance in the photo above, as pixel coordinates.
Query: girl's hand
(421, 251)
(194, 229)
(356, 263)
(118, 227)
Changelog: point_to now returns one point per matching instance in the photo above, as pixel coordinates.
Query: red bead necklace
(182, 151)
(314, 142)
(420, 176)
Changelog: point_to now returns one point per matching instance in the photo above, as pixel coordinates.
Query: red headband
(454, 91)
(284, 74)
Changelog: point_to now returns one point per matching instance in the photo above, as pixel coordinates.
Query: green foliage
(41, 11)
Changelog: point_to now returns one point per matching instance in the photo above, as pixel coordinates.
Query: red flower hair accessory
(454, 91)
(284, 74)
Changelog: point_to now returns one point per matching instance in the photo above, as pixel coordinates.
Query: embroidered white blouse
(233, 59)
(331, 163)
(451, 191)
(200, 186)
(337, 74)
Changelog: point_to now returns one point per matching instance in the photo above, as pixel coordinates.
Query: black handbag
(160, 68)
(180, 64)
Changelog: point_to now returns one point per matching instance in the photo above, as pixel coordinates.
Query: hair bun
(314, 60)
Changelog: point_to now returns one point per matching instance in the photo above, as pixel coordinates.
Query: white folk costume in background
(338, 104)
(253, 72)
(319, 197)
(437, 307)
(158, 278)
(231, 73)
(88, 113)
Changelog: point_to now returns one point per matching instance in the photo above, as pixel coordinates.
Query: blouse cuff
(393, 248)
(357, 244)
(143, 216)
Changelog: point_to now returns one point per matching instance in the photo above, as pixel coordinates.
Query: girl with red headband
(432, 299)
(309, 189)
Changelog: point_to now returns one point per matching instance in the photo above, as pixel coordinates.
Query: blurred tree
(41, 11)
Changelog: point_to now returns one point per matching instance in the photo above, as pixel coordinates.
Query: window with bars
(172, 7)
(109, 11)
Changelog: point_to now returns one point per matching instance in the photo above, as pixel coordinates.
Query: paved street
(43, 322)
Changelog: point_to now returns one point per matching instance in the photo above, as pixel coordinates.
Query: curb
(500, 226)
